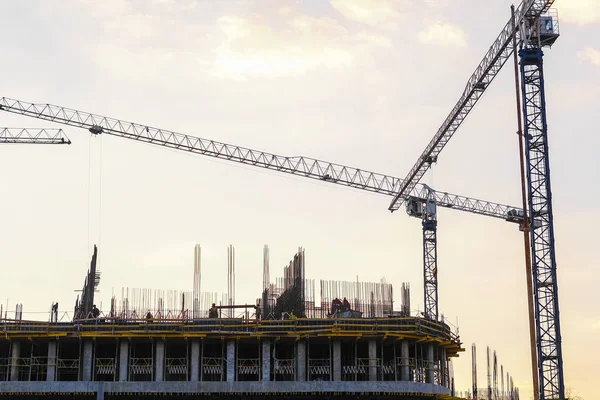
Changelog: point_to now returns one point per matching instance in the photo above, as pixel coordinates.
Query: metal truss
(33, 136)
(298, 165)
(549, 348)
(430, 269)
(484, 74)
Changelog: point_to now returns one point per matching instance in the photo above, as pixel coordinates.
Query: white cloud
(579, 12)
(376, 13)
(254, 47)
(236, 45)
(442, 34)
(591, 55)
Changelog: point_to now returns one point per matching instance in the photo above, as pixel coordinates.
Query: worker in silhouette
(336, 306)
(148, 316)
(95, 311)
(213, 313)
(54, 316)
(345, 305)
(257, 310)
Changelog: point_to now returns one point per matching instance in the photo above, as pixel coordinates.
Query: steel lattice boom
(486, 71)
(549, 348)
(301, 166)
(33, 136)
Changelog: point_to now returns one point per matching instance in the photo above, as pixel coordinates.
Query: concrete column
(430, 364)
(123, 360)
(100, 391)
(404, 370)
(372, 360)
(159, 361)
(52, 359)
(15, 354)
(87, 360)
(337, 360)
(301, 360)
(266, 360)
(195, 361)
(231, 361)
(443, 366)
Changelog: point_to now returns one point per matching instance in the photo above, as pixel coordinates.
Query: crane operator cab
(546, 30)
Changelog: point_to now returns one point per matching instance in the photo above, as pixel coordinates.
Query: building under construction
(286, 345)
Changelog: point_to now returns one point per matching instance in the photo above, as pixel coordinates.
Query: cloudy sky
(361, 83)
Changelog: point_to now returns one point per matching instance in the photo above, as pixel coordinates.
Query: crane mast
(541, 32)
(422, 202)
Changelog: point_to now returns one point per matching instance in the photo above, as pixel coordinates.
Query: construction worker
(149, 317)
(257, 311)
(336, 305)
(95, 311)
(213, 313)
(345, 305)
(293, 316)
(54, 315)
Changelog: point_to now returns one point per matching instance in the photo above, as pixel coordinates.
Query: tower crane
(33, 136)
(422, 202)
(541, 31)
(530, 29)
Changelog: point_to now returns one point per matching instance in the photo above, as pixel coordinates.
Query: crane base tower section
(403, 358)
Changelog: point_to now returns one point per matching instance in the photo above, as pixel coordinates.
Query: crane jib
(484, 74)
(300, 166)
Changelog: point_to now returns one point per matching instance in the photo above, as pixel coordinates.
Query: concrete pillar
(372, 360)
(87, 360)
(266, 360)
(443, 366)
(430, 364)
(195, 361)
(301, 360)
(15, 354)
(100, 391)
(337, 360)
(404, 369)
(159, 361)
(231, 361)
(52, 360)
(123, 360)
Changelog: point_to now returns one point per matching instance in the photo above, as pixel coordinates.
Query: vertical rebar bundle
(405, 294)
(495, 392)
(369, 298)
(502, 394)
(197, 281)
(474, 369)
(489, 376)
(230, 279)
(266, 277)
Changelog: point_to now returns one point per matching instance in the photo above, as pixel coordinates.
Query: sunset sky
(361, 83)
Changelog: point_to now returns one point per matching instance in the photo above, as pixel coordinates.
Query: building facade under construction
(286, 346)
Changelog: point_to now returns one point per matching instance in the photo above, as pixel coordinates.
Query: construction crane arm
(33, 136)
(298, 165)
(500, 51)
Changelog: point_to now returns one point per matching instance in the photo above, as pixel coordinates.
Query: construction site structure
(285, 353)
(530, 30)
(312, 358)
